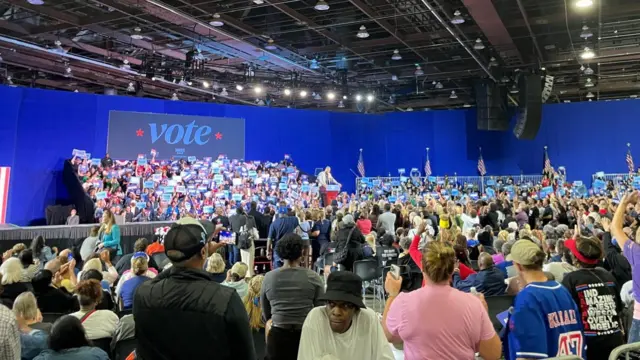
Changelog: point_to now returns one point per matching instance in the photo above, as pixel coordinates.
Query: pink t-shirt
(439, 322)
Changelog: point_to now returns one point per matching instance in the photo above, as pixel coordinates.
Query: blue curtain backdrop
(39, 129)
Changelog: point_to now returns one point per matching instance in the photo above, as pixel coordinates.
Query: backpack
(247, 234)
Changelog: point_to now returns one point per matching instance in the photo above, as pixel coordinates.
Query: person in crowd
(260, 219)
(386, 220)
(486, 241)
(561, 268)
(126, 330)
(407, 320)
(216, 266)
(236, 279)
(491, 219)
(236, 222)
(507, 265)
(124, 263)
(304, 230)
(614, 260)
(10, 347)
(12, 281)
(41, 252)
(386, 251)
(488, 281)
(130, 281)
(221, 220)
(555, 249)
(32, 340)
(283, 225)
(545, 320)
(106, 161)
(183, 310)
(29, 268)
(410, 271)
(595, 292)
(52, 299)
(107, 301)
(343, 328)
(110, 275)
(350, 241)
(98, 324)
(522, 217)
(469, 218)
(68, 341)
(287, 295)
(110, 234)
(321, 232)
(73, 218)
(363, 223)
(254, 310)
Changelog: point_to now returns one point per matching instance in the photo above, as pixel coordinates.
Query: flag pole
(425, 174)
(632, 171)
(481, 175)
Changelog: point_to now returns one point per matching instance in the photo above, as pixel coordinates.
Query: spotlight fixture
(321, 5)
(316, 96)
(581, 67)
(205, 84)
(224, 92)
(331, 95)
(287, 92)
(314, 65)
(396, 55)
(588, 70)
(36, 2)
(257, 89)
(543, 68)
(514, 89)
(362, 32)
(137, 33)
(586, 33)
(504, 79)
(466, 105)
(584, 3)
(125, 65)
(189, 83)
(271, 45)
(409, 109)
(457, 18)
(493, 62)
(588, 83)
(370, 98)
(419, 71)
(239, 87)
(303, 93)
(394, 77)
(453, 95)
(216, 21)
(76, 91)
(479, 45)
(341, 105)
(174, 97)
(131, 88)
(590, 95)
(439, 85)
(344, 97)
(358, 98)
(258, 2)
(587, 53)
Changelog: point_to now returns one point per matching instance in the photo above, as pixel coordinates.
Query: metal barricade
(626, 352)
(615, 178)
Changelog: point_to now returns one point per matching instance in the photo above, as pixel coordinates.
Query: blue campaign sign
(148, 184)
(191, 159)
(455, 192)
(167, 197)
(491, 182)
(236, 197)
(304, 188)
(491, 193)
(95, 162)
(101, 195)
(142, 161)
(392, 199)
(395, 183)
(172, 135)
(218, 178)
(141, 205)
(599, 184)
(283, 186)
(207, 209)
(432, 178)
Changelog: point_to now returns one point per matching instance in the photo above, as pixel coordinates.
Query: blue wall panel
(39, 128)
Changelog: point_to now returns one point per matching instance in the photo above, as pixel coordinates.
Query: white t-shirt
(365, 339)
(100, 324)
(468, 222)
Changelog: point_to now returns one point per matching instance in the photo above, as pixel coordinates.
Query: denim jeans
(634, 331)
(233, 254)
(276, 262)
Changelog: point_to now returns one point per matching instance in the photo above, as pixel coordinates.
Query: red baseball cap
(572, 246)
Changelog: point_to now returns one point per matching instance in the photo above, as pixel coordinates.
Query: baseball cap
(188, 236)
(525, 252)
(240, 269)
(572, 245)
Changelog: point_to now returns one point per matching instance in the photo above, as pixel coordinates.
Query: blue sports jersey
(545, 323)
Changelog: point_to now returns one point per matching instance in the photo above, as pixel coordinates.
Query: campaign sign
(236, 197)
(207, 209)
(304, 188)
(142, 161)
(101, 195)
(167, 197)
(283, 186)
(148, 185)
(95, 162)
(174, 136)
(157, 177)
(141, 205)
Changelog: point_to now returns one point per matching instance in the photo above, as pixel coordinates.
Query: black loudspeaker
(530, 112)
(491, 106)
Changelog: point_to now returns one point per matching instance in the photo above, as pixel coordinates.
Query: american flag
(630, 160)
(427, 166)
(547, 162)
(361, 164)
(5, 173)
(481, 168)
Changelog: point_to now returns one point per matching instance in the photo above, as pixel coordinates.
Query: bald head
(53, 266)
(485, 261)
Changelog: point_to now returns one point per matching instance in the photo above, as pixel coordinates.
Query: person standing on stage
(325, 178)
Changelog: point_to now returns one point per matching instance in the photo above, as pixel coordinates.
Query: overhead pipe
(523, 11)
(110, 67)
(462, 43)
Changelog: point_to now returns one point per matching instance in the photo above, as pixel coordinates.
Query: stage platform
(66, 236)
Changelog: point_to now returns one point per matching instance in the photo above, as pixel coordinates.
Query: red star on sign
(139, 132)
(218, 135)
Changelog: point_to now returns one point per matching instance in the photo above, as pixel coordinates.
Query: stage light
(303, 93)
(439, 85)
(358, 98)
(341, 104)
(453, 95)
(344, 97)
(493, 62)
(131, 88)
(396, 55)
(270, 45)
(182, 82)
(174, 97)
(584, 3)
(216, 21)
(321, 5)
(587, 53)
(125, 65)
(205, 84)
(588, 70)
(590, 95)
(394, 77)
(257, 89)
(586, 33)
(137, 33)
(466, 105)
(362, 32)
(224, 92)
(514, 89)
(239, 87)
(409, 109)
(588, 83)
(36, 2)
(287, 92)
(316, 96)
(370, 98)
(314, 65)
(419, 71)
(479, 45)
(331, 95)
(457, 19)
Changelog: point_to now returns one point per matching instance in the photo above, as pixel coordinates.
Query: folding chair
(370, 272)
(626, 352)
(498, 304)
(123, 348)
(51, 317)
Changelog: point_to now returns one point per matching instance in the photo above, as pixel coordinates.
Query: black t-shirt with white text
(598, 298)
